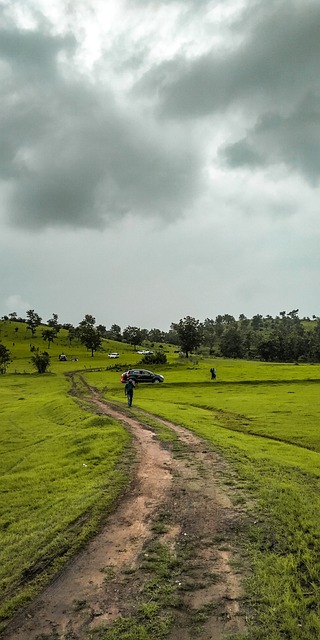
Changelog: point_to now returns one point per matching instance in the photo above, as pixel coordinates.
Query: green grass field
(60, 470)
(264, 419)
(62, 466)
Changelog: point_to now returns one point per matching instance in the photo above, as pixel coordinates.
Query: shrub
(41, 361)
(5, 358)
(154, 358)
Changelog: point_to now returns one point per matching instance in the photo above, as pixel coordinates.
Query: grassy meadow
(264, 418)
(63, 467)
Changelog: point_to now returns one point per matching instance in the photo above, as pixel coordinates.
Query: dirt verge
(176, 509)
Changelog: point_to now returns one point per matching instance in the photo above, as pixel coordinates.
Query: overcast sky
(159, 159)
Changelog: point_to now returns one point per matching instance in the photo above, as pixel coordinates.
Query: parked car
(141, 375)
(113, 355)
(144, 352)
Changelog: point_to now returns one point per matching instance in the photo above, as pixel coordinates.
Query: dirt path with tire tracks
(176, 500)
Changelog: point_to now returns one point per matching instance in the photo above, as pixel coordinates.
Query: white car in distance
(113, 355)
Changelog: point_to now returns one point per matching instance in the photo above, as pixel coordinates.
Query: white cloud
(16, 303)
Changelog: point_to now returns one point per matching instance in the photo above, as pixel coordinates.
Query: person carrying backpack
(128, 391)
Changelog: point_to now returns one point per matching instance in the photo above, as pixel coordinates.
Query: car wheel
(156, 380)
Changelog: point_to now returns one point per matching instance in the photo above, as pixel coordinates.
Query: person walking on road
(128, 391)
(213, 373)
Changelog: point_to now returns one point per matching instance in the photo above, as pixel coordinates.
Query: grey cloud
(32, 53)
(293, 140)
(73, 157)
(96, 170)
(268, 72)
(276, 60)
(242, 153)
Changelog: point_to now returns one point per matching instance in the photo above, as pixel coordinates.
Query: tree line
(285, 338)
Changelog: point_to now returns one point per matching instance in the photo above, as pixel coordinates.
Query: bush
(41, 361)
(5, 358)
(154, 358)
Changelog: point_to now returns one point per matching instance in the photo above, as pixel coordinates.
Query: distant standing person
(128, 391)
(213, 373)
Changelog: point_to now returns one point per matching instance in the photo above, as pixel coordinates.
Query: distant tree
(133, 335)
(244, 321)
(41, 361)
(269, 348)
(48, 335)
(144, 335)
(54, 324)
(33, 320)
(102, 330)
(171, 337)
(257, 322)
(13, 316)
(228, 319)
(115, 332)
(5, 358)
(72, 333)
(209, 333)
(231, 344)
(88, 334)
(219, 326)
(156, 335)
(190, 332)
(314, 343)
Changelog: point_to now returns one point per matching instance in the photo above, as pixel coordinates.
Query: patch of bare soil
(182, 489)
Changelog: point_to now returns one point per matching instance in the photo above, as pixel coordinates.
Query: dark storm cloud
(293, 140)
(70, 155)
(31, 53)
(242, 154)
(268, 72)
(98, 169)
(277, 59)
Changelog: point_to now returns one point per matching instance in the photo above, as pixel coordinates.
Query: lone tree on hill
(189, 331)
(48, 335)
(115, 332)
(88, 334)
(54, 324)
(41, 361)
(33, 320)
(5, 358)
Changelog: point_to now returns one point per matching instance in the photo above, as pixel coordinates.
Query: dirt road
(175, 509)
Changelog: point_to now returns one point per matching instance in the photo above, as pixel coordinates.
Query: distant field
(20, 344)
